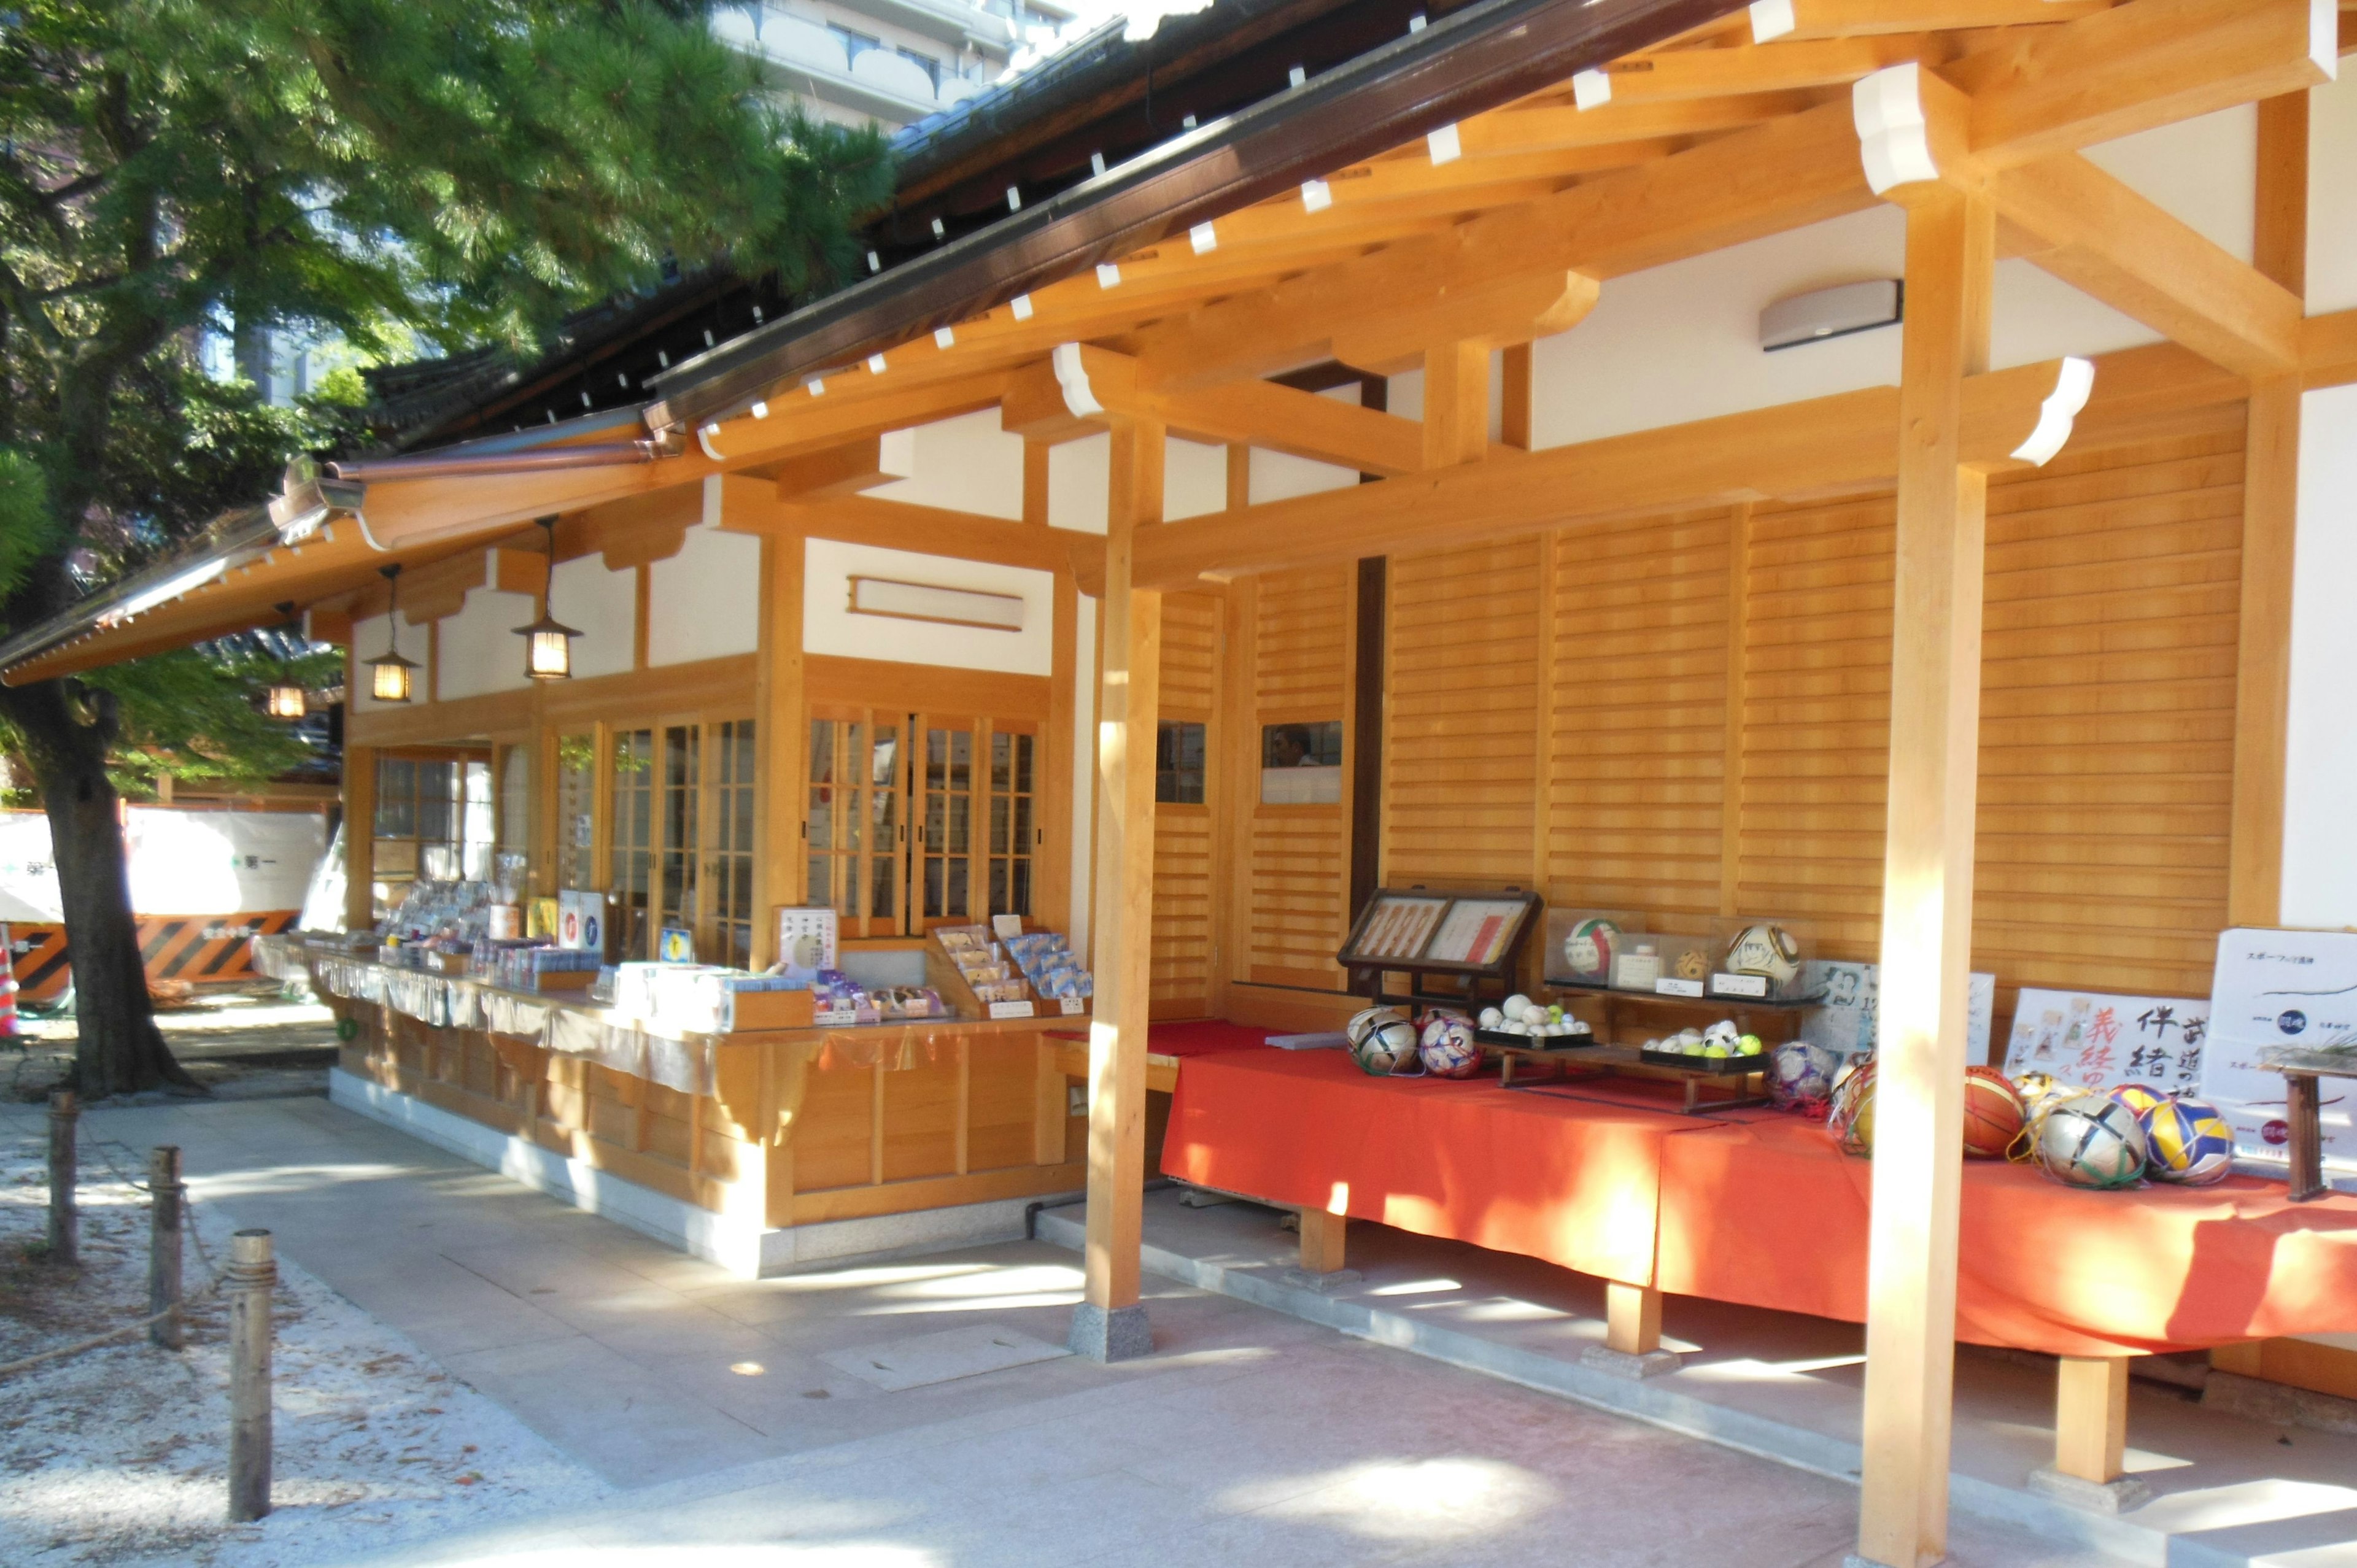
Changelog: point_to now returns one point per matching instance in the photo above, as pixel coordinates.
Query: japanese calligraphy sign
(2272, 989)
(2088, 1040)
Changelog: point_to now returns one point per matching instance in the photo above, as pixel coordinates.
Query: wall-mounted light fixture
(285, 700)
(924, 601)
(548, 642)
(389, 677)
(1835, 312)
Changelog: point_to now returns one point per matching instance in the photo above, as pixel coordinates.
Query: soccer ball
(1851, 1120)
(1765, 950)
(1448, 1048)
(1992, 1115)
(1588, 948)
(2187, 1141)
(2089, 1140)
(1382, 1042)
(1802, 1074)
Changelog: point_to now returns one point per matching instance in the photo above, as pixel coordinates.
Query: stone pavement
(725, 1406)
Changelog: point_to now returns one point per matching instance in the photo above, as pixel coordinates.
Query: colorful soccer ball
(1588, 948)
(1765, 950)
(1992, 1114)
(2089, 1140)
(1802, 1074)
(1448, 1048)
(1382, 1042)
(1851, 1120)
(2187, 1141)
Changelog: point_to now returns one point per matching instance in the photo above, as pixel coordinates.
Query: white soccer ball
(1765, 950)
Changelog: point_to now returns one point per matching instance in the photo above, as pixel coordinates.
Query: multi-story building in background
(889, 62)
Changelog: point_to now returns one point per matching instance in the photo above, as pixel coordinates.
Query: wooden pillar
(778, 738)
(1632, 1318)
(2091, 1417)
(1927, 893)
(359, 836)
(1456, 404)
(1322, 1240)
(1110, 1324)
(2270, 506)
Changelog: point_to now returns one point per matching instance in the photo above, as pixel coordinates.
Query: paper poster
(1476, 929)
(2090, 1040)
(2272, 991)
(1844, 1020)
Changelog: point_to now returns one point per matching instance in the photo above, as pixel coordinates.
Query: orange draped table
(1756, 1208)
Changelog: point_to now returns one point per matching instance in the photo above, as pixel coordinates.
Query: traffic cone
(8, 983)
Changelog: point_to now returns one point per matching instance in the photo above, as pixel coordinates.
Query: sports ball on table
(1766, 951)
(2186, 1141)
(1802, 1074)
(2038, 1090)
(1992, 1114)
(1382, 1042)
(1588, 948)
(1447, 1049)
(1851, 1120)
(2137, 1098)
(2091, 1141)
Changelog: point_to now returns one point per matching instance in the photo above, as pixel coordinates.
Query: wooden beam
(1456, 404)
(2091, 1417)
(1552, 126)
(1856, 18)
(1844, 440)
(847, 469)
(2328, 350)
(360, 823)
(1109, 1323)
(1927, 895)
(2279, 209)
(1039, 407)
(933, 530)
(1671, 75)
(2106, 241)
(2055, 90)
(779, 740)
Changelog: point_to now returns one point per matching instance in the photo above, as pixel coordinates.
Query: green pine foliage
(403, 174)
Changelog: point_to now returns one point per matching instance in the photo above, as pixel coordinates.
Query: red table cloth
(1756, 1208)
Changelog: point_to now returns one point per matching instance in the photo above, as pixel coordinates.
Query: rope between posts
(188, 1229)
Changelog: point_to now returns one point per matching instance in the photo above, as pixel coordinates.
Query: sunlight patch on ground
(2244, 1503)
(1412, 1500)
(1417, 1287)
(698, 1554)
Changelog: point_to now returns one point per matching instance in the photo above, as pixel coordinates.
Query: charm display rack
(1471, 943)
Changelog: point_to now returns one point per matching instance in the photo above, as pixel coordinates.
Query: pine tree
(453, 173)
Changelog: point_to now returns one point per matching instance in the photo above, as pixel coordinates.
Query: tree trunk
(120, 1050)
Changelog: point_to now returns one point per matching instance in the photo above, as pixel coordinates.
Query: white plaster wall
(2333, 195)
(369, 639)
(705, 601)
(480, 652)
(2204, 172)
(829, 626)
(2319, 870)
(1194, 479)
(1085, 773)
(1078, 473)
(604, 606)
(1280, 475)
(1194, 482)
(967, 464)
(1404, 395)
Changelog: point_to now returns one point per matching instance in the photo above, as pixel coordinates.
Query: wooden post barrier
(65, 1220)
(2090, 1435)
(251, 1276)
(163, 1248)
(1632, 1334)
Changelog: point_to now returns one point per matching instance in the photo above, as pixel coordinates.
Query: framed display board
(1471, 936)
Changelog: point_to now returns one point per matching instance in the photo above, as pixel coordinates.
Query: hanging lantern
(548, 642)
(285, 700)
(389, 679)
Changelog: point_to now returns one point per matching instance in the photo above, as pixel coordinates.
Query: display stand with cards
(1457, 949)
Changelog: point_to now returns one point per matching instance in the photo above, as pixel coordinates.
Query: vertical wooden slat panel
(1182, 832)
(1294, 913)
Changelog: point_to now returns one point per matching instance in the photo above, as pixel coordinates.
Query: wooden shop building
(1414, 423)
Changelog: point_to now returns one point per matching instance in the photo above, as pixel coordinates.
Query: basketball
(2187, 1141)
(1992, 1114)
(1588, 947)
(2090, 1141)
(1851, 1120)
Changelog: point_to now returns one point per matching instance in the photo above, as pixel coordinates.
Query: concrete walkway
(756, 1419)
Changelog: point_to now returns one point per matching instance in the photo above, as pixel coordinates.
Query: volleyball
(2091, 1141)
(1851, 1120)
(1447, 1049)
(2138, 1098)
(1992, 1114)
(1802, 1074)
(1766, 951)
(2186, 1141)
(1381, 1040)
(1588, 948)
